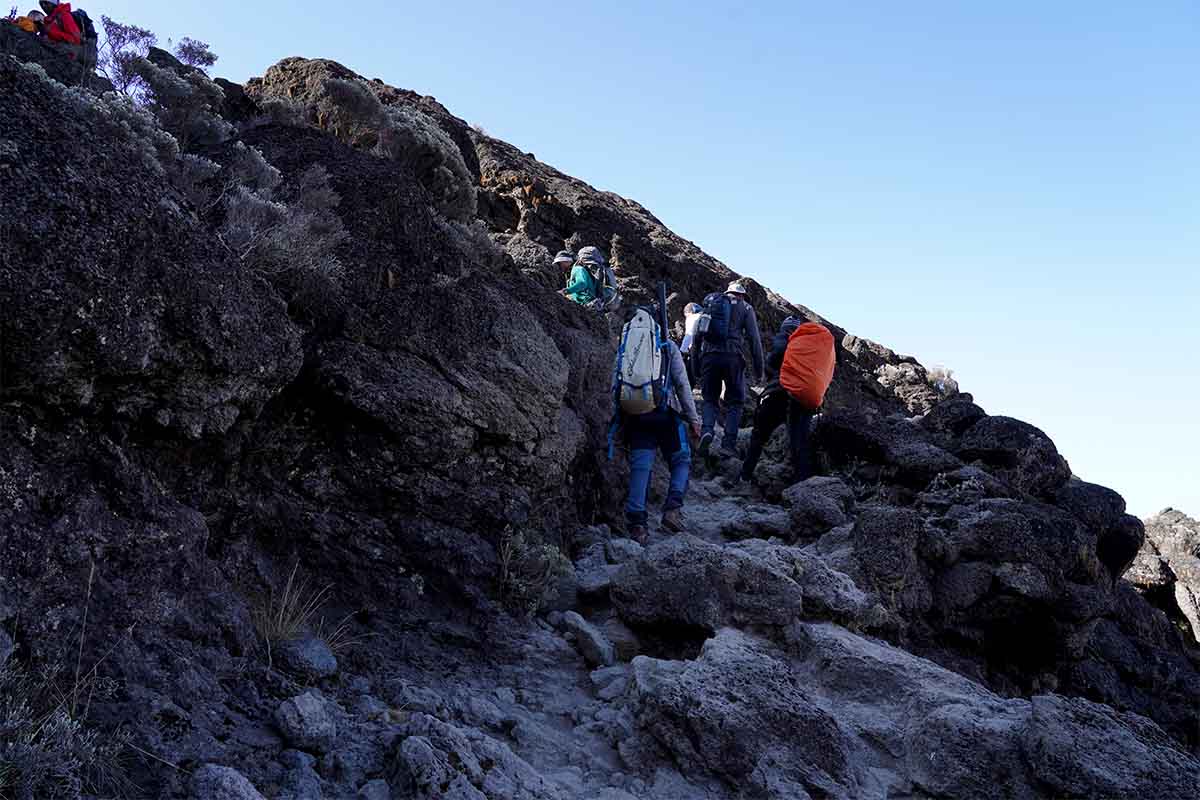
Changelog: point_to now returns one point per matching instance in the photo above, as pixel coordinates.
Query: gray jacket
(680, 399)
(743, 327)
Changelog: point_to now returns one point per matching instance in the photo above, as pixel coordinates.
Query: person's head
(737, 289)
(48, 5)
(36, 16)
(564, 259)
(790, 324)
(590, 255)
(692, 309)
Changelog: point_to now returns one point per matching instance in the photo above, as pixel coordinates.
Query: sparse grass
(528, 572)
(286, 614)
(45, 748)
(339, 635)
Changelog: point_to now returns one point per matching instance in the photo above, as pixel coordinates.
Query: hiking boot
(706, 440)
(729, 452)
(639, 534)
(673, 520)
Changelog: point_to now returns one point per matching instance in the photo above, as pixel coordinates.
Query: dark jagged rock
(179, 433)
(1017, 452)
(879, 722)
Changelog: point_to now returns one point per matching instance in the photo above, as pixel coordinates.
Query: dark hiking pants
(774, 409)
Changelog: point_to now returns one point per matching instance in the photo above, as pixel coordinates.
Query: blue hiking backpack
(719, 309)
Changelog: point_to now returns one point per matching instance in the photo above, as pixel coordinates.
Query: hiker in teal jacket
(581, 286)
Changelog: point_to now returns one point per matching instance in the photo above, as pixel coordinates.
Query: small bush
(278, 111)
(528, 573)
(186, 105)
(295, 234)
(195, 53)
(119, 118)
(354, 114)
(45, 748)
(415, 140)
(193, 176)
(123, 46)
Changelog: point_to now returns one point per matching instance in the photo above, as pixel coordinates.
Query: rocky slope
(185, 425)
(1167, 568)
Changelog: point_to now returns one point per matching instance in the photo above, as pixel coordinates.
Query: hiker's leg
(710, 390)
(680, 461)
(799, 421)
(641, 461)
(771, 412)
(735, 397)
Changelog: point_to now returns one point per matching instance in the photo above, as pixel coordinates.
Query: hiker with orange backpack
(800, 368)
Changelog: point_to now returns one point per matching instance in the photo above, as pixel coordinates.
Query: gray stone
(594, 645)
(625, 642)
(816, 506)
(213, 782)
(1167, 568)
(377, 789)
(309, 656)
(306, 722)
(619, 551)
(300, 781)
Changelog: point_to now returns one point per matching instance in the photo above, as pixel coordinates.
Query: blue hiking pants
(728, 370)
(657, 431)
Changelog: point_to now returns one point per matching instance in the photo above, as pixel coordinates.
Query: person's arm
(683, 388)
(756, 348)
(579, 281)
(778, 348)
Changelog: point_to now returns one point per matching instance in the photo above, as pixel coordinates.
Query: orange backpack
(808, 363)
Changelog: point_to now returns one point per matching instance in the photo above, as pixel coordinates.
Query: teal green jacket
(581, 286)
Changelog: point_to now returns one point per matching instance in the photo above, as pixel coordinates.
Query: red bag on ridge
(808, 363)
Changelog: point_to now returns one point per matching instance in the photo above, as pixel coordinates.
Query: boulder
(596, 648)
(1085, 749)
(1018, 453)
(1168, 566)
(952, 417)
(308, 656)
(816, 506)
(735, 712)
(307, 723)
(213, 782)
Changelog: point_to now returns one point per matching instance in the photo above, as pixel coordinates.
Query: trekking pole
(662, 308)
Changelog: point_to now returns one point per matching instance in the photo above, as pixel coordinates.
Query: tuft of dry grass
(285, 615)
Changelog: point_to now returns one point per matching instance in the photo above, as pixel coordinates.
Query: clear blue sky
(1009, 189)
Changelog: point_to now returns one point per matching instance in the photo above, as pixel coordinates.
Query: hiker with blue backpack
(653, 406)
(727, 324)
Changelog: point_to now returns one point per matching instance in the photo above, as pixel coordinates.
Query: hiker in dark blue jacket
(724, 364)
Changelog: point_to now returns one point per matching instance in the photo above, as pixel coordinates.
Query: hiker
(654, 409)
(59, 25)
(691, 352)
(730, 322)
(31, 22)
(563, 260)
(581, 285)
(799, 368)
